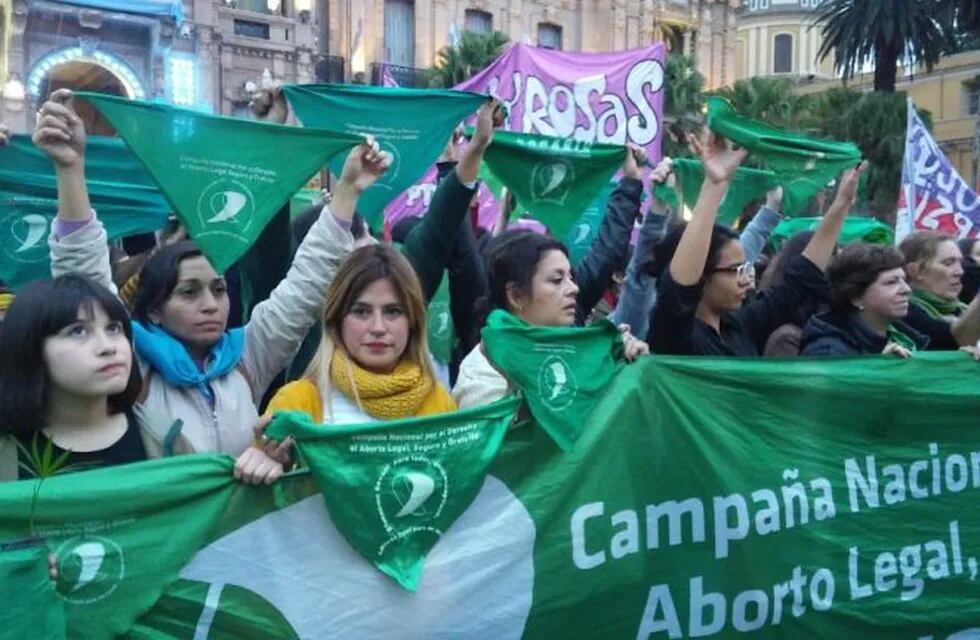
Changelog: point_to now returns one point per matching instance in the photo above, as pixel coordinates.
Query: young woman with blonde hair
(373, 363)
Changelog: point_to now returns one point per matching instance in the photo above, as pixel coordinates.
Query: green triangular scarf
(121, 191)
(411, 124)
(746, 186)
(562, 371)
(225, 177)
(393, 488)
(803, 165)
(441, 332)
(553, 178)
(935, 306)
(855, 229)
(24, 578)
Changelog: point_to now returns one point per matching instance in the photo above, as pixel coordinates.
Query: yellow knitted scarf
(388, 396)
(6, 299)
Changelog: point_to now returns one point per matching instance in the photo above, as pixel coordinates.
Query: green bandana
(226, 177)
(897, 336)
(563, 371)
(24, 578)
(413, 125)
(746, 186)
(441, 332)
(553, 178)
(803, 165)
(856, 229)
(393, 488)
(935, 306)
(121, 191)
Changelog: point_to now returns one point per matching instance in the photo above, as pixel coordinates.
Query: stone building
(209, 54)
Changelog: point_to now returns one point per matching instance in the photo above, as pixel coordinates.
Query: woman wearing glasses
(703, 277)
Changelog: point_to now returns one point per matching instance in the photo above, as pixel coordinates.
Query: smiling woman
(373, 363)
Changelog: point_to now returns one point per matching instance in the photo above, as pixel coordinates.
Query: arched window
(478, 21)
(782, 53)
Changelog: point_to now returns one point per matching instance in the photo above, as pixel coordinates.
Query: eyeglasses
(744, 271)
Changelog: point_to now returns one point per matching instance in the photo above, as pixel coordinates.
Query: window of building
(549, 36)
(971, 93)
(400, 32)
(478, 21)
(252, 29)
(782, 53)
(182, 80)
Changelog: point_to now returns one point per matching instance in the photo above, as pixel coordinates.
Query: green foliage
(42, 464)
(476, 52)
(683, 103)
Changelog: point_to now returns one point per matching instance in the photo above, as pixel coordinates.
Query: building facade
(778, 38)
(210, 54)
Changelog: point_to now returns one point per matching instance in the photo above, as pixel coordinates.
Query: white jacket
(478, 382)
(272, 337)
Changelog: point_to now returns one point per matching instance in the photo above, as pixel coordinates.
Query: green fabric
(441, 332)
(121, 191)
(899, 337)
(855, 229)
(580, 238)
(411, 124)
(225, 177)
(935, 306)
(698, 488)
(562, 371)
(555, 179)
(802, 165)
(393, 488)
(24, 579)
(746, 186)
(303, 199)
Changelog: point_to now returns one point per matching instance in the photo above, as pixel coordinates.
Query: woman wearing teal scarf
(934, 265)
(200, 382)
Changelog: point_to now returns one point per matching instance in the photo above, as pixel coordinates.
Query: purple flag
(933, 195)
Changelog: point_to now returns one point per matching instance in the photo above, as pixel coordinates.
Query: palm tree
(475, 52)
(886, 32)
(770, 100)
(682, 103)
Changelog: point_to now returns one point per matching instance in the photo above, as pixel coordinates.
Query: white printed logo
(90, 568)
(226, 207)
(411, 492)
(549, 180)
(581, 233)
(439, 317)
(25, 236)
(556, 383)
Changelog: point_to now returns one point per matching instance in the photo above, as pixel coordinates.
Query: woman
(870, 297)
(703, 277)
(67, 380)
(529, 276)
(373, 363)
(201, 381)
(934, 265)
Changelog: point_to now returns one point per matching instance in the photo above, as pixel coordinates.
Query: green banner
(705, 497)
(555, 179)
(413, 125)
(855, 229)
(225, 177)
(746, 186)
(563, 372)
(122, 192)
(803, 165)
(393, 489)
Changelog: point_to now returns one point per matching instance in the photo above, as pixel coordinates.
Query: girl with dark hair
(703, 278)
(934, 266)
(531, 277)
(197, 374)
(870, 298)
(67, 379)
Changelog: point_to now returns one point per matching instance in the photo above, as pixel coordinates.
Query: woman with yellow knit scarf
(373, 363)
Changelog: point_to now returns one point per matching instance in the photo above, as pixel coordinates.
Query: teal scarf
(169, 356)
(935, 306)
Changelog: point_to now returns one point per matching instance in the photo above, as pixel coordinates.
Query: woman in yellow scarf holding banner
(373, 363)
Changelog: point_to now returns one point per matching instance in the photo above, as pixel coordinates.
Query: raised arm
(966, 328)
(757, 231)
(720, 159)
(278, 325)
(820, 249)
(78, 242)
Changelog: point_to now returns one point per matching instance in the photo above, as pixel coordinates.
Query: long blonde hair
(362, 268)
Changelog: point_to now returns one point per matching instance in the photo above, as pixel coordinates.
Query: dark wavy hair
(159, 277)
(856, 267)
(41, 310)
(666, 248)
(512, 258)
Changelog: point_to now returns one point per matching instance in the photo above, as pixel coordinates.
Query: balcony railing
(403, 76)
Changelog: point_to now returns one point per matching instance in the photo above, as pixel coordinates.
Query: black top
(674, 329)
(940, 331)
(842, 334)
(128, 448)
